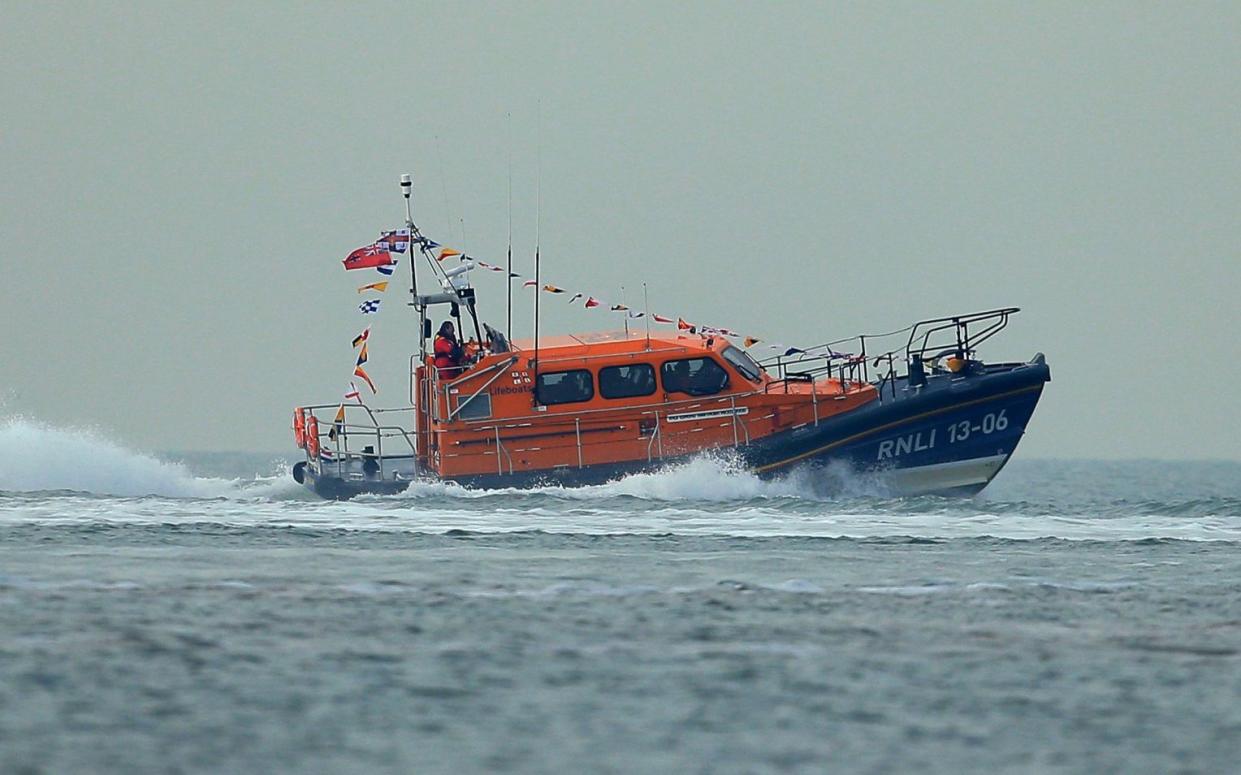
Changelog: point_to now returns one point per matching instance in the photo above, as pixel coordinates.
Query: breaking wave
(43, 458)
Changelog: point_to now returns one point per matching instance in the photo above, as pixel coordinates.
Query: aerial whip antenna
(646, 313)
(508, 329)
(624, 312)
(538, 220)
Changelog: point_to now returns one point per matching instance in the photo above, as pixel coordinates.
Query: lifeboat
(917, 409)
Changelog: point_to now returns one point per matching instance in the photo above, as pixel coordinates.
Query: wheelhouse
(608, 398)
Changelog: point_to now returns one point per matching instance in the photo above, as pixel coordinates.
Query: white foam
(39, 457)
(705, 478)
(709, 477)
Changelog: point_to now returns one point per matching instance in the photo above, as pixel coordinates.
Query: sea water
(202, 613)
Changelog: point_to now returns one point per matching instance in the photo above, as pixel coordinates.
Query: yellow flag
(381, 287)
(340, 419)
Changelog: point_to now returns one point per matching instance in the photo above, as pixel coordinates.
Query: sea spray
(715, 476)
(41, 458)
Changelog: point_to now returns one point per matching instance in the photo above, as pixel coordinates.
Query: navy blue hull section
(947, 422)
(338, 489)
(950, 419)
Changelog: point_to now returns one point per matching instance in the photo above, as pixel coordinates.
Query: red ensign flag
(367, 258)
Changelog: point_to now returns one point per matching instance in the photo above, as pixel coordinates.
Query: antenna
(538, 220)
(439, 156)
(625, 312)
(508, 329)
(646, 313)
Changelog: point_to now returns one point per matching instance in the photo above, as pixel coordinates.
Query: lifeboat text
(913, 442)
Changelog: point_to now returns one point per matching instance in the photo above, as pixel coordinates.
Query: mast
(451, 291)
(407, 190)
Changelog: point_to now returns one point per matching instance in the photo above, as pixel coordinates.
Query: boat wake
(40, 458)
(79, 476)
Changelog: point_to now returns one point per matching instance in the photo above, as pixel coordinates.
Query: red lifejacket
(444, 359)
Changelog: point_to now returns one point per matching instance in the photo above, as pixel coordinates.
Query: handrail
(379, 431)
(500, 448)
(571, 358)
(499, 368)
(650, 443)
(577, 431)
(960, 325)
(462, 378)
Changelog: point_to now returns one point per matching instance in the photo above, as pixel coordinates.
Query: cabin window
(476, 408)
(565, 387)
(742, 362)
(695, 376)
(634, 379)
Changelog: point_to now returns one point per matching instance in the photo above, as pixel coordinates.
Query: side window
(635, 379)
(742, 362)
(695, 376)
(476, 408)
(565, 387)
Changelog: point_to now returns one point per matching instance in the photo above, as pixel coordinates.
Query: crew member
(447, 351)
(677, 379)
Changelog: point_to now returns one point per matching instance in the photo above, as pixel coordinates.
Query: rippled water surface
(207, 615)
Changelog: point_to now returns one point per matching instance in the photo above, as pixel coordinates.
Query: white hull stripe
(695, 416)
(943, 476)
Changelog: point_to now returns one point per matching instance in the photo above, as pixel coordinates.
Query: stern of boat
(352, 449)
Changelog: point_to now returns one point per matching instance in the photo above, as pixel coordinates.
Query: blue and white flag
(396, 241)
(389, 269)
(368, 307)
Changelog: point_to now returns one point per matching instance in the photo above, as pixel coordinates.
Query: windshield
(743, 363)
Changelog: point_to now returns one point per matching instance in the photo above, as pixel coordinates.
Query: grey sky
(180, 183)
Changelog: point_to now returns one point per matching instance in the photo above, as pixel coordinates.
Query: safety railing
(347, 441)
(882, 359)
(953, 335)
